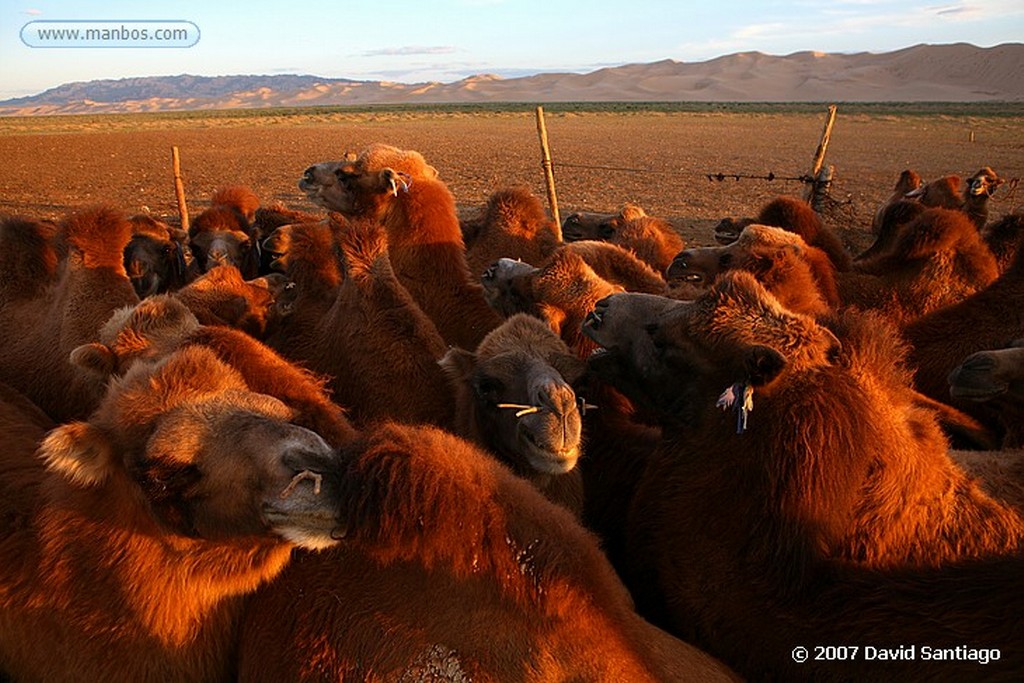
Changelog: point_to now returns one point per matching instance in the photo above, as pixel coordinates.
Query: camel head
(679, 358)
(517, 386)
(983, 183)
(221, 236)
(988, 375)
(157, 258)
(213, 460)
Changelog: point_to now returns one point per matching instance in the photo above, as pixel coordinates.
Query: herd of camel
(379, 444)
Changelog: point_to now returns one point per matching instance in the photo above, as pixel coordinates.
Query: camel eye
(489, 388)
(725, 260)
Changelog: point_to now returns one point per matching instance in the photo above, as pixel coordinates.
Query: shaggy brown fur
(137, 532)
(267, 219)
(795, 215)
(561, 293)
(28, 258)
(159, 325)
(516, 226)
(374, 343)
(238, 197)
(522, 364)
(653, 240)
(417, 210)
(943, 193)
(942, 339)
(514, 591)
(38, 331)
(840, 487)
(221, 297)
(1004, 238)
(936, 260)
(907, 182)
(890, 219)
(799, 276)
(618, 266)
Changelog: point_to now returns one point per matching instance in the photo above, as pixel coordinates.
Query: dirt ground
(658, 160)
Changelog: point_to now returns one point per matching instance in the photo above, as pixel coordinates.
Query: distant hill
(923, 73)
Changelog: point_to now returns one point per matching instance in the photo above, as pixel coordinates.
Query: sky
(446, 40)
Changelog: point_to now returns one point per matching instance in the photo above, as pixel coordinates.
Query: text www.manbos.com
(110, 34)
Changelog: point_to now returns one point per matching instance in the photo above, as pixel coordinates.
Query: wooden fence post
(549, 175)
(812, 196)
(179, 188)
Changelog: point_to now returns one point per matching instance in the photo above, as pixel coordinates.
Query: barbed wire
(719, 176)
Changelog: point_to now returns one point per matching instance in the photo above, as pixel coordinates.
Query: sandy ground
(658, 160)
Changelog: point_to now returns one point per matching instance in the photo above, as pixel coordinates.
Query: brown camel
(514, 225)
(398, 189)
(158, 258)
(514, 398)
(834, 495)
(132, 537)
(453, 569)
(801, 277)
(60, 286)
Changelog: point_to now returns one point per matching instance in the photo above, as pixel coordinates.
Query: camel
(834, 495)
(935, 260)
(977, 191)
(1004, 238)
(942, 339)
(267, 219)
(223, 234)
(514, 225)
(908, 181)
(307, 254)
(942, 193)
(561, 293)
(514, 397)
(398, 189)
(138, 532)
(516, 590)
(157, 258)
(995, 378)
(800, 276)
(373, 342)
(795, 215)
(160, 325)
(653, 240)
(221, 297)
(59, 285)
(618, 265)
(890, 219)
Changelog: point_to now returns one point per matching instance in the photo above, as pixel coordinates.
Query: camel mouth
(547, 461)
(977, 393)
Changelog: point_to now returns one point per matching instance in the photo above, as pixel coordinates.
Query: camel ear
(80, 452)
(763, 364)
(95, 358)
(458, 365)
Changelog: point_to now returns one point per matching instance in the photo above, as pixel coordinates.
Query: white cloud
(409, 50)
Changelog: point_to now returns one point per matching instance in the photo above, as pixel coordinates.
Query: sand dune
(923, 73)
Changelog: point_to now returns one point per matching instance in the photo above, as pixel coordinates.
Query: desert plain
(659, 158)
